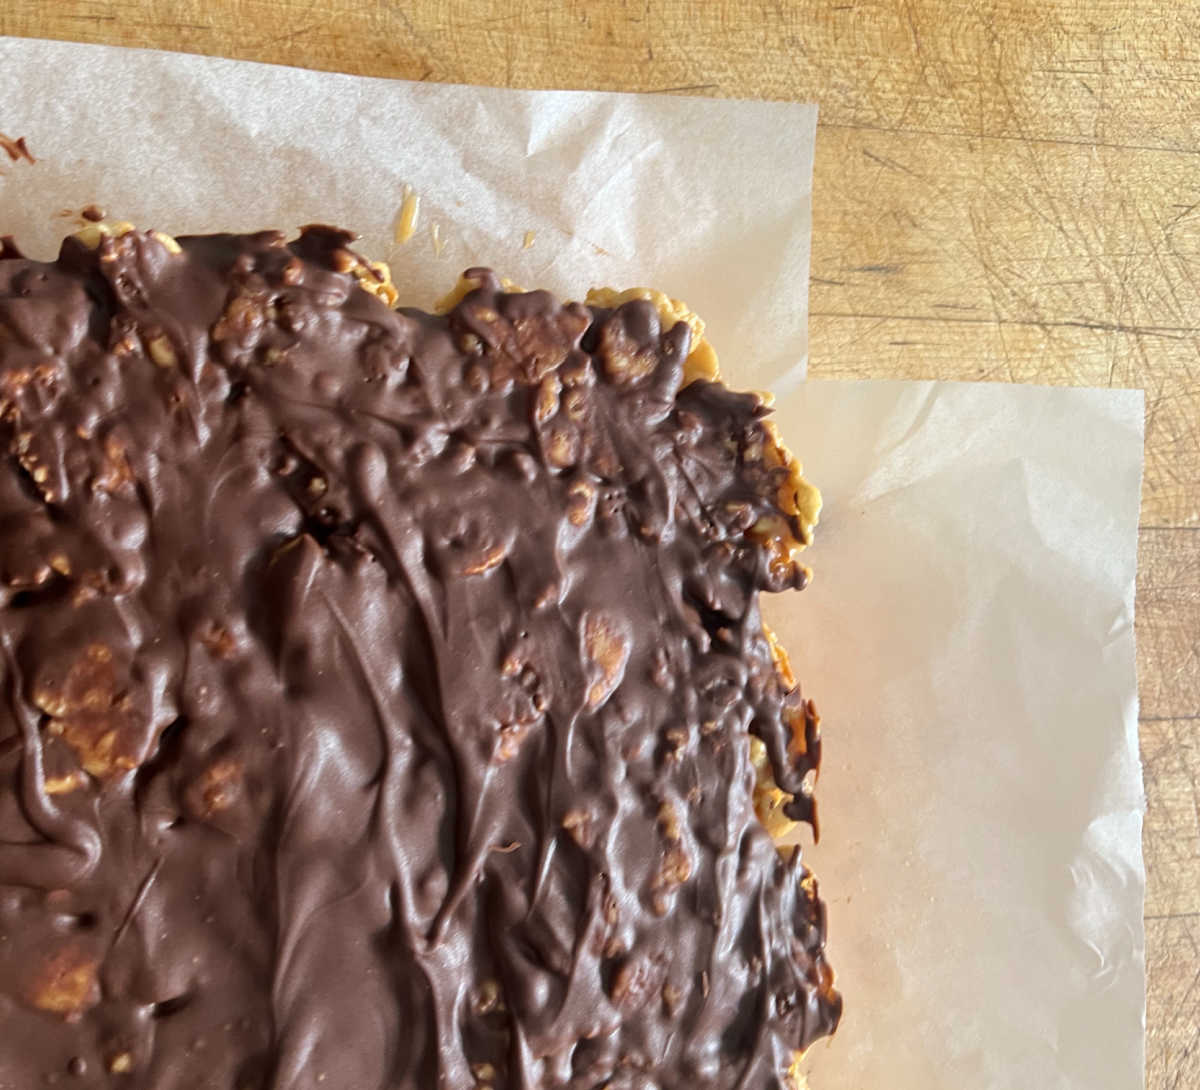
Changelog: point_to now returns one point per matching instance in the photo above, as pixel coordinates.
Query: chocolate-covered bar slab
(385, 698)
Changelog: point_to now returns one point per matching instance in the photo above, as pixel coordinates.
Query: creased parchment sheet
(968, 638)
(563, 190)
(969, 632)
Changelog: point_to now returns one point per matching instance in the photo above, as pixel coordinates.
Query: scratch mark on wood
(982, 134)
(292, 35)
(891, 164)
(500, 20)
(1175, 333)
(415, 33)
(685, 87)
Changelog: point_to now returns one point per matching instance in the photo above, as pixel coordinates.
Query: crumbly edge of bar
(796, 497)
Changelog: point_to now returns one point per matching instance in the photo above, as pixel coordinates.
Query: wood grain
(1004, 191)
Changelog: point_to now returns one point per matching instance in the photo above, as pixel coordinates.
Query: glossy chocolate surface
(378, 689)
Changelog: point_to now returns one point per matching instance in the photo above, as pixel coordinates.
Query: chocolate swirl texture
(379, 687)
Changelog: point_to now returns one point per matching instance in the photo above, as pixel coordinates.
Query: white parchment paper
(969, 634)
(968, 638)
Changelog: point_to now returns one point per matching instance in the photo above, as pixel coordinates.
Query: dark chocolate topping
(378, 690)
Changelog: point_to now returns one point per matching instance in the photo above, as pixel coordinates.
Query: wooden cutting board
(1004, 191)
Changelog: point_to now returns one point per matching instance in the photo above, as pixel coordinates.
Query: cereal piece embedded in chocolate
(93, 713)
(217, 788)
(606, 648)
(219, 641)
(65, 982)
(634, 981)
(65, 784)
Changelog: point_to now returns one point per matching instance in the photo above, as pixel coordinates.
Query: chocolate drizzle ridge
(378, 689)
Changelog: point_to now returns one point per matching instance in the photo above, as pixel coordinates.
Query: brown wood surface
(1006, 191)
